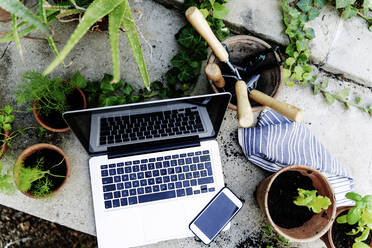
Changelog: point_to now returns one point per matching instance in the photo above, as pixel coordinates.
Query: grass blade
(16, 36)
(96, 10)
(115, 18)
(135, 45)
(16, 8)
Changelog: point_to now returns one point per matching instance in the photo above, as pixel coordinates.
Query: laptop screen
(102, 128)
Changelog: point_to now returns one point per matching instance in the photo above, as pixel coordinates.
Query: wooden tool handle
(197, 20)
(283, 108)
(214, 73)
(245, 113)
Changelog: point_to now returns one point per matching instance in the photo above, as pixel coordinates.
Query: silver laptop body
(153, 166)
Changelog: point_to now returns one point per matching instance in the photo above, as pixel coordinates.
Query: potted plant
(118, 13)
(41, 170)
(287, 207)
(353, 224)
(6, 119)
(49, 99)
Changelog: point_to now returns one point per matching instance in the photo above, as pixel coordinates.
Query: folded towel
(277, 142)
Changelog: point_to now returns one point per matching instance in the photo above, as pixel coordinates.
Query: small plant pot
(241, 47)
(315, 225)
(331, 235)
(55, 122)
(52, 155)
(4, 16)
(4, 146)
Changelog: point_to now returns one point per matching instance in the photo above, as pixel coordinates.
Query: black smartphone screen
(216, 216)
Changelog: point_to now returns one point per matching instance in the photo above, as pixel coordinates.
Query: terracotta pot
(31, 150)
(319, 224)
(4, 16)
(327, 238)
(44, 124)
(4, 146)
(242, 46)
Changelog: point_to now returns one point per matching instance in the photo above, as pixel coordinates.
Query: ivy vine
(297, 70)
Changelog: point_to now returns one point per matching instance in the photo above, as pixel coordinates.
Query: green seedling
(272, 239)
(33, 179)
(360, 215)
(310, 199)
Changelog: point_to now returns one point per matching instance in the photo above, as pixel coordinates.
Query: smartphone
(216, 215)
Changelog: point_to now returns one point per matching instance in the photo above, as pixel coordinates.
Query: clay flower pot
(49, 152)
(43, 120)
(328, 238)
(4, 146)
(4, 15)
(241, 47)
(315, 227)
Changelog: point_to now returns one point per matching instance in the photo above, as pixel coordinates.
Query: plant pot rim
(4, 146)
(327, 238)
(212, 58)
(52, 129)
(278, 228)
(31, 150)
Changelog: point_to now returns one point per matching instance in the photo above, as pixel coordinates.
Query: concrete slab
(347, 134)
(349, 52)
(326, 28)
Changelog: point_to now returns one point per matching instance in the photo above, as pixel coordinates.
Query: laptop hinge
(152, 146)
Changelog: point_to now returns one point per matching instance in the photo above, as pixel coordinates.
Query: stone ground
(346, 133)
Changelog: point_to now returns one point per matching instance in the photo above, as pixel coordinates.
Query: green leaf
(127, 89)
(7, 127)
(304, 5)
(290, 61)
(132, 36)
(187, 37)
(363, 236)
(16, 8)
(358, 99)
(313, 13)
(219, 11)
(310, 34)
(344, 3)
(315, 89)
(286, 74)
(344, 93)
(78, 80)
(204, 12)
(320, 3)
(354, 215)
(301, 45)
(370, 28)
(298, 69)
(115, 19)
(8, 109)
(329, 98)
(16, 36)
(310, 199)
(307, 68)
(290, 49)
(360, 245)
(367, 5)
(96, 10)
(349, 12)
(307, 76)
(342, 219)
(324, 83)
(354, 196)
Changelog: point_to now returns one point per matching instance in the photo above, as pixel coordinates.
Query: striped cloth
(277, 142)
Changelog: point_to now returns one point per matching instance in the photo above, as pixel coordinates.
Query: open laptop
(153, 166)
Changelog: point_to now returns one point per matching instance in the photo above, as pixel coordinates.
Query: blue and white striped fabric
(277, 142)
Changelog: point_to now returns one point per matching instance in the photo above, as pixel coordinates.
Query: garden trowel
(197, 20)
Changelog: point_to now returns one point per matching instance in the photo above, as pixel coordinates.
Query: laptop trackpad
(161, 221)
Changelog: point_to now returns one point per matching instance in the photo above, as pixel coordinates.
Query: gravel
(18, 229)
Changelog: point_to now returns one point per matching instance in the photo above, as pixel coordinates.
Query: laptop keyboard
(140, 181)
(150, 125)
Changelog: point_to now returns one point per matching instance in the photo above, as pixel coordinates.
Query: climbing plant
(297, 70)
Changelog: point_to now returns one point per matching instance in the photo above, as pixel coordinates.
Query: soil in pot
(51, 158)
(341, 240)
(54, 118)
(267, 82)
(282, 192)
